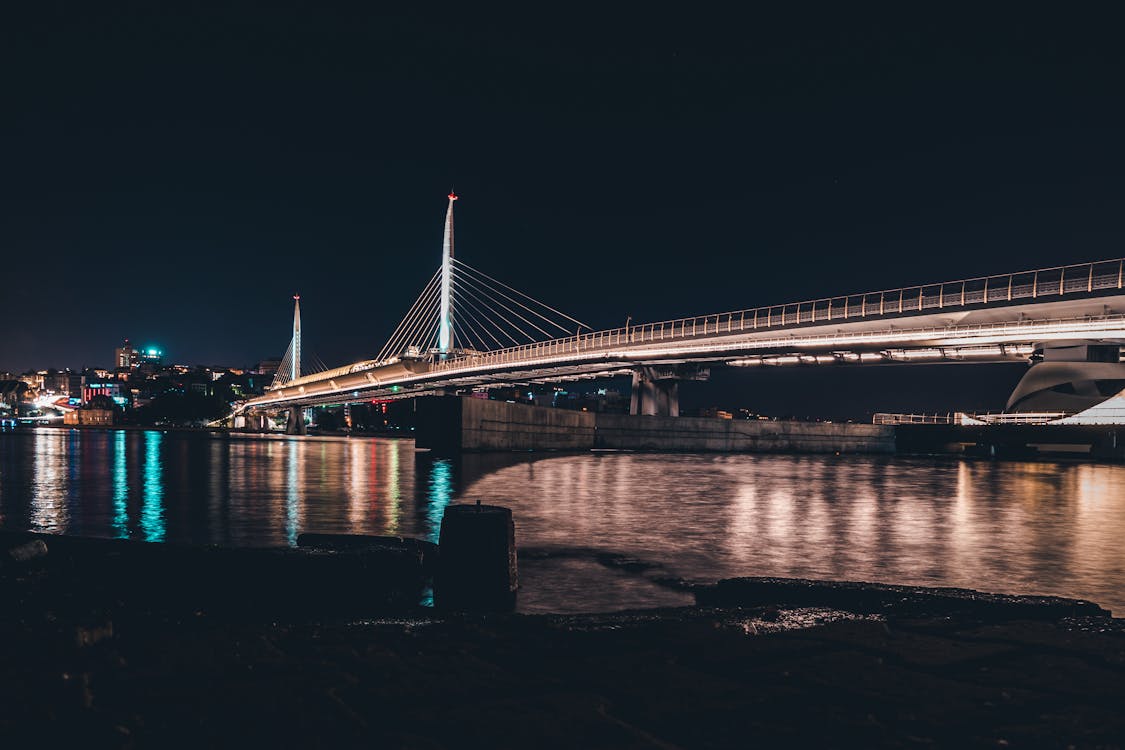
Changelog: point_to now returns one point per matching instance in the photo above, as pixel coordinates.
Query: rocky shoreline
(100, 647)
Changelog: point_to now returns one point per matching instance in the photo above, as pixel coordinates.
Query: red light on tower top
(452, 195)
(297, 297)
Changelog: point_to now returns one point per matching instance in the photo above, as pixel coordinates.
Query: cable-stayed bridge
(467, 330)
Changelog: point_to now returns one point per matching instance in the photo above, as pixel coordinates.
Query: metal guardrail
(593, 343)
(1061, 281)
(1046, 283)
(549, 351)
(885, 418)
(965, 418)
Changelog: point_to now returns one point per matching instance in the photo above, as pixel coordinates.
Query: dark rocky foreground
(762, 662)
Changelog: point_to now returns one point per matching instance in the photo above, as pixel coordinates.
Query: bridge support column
(250, 422)
(295, 425)
(656, 390)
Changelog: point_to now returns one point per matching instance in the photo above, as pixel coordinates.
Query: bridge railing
(1045, 283)
(893, 419)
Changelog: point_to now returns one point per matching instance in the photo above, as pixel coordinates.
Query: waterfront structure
(90, 417)
(467, 330)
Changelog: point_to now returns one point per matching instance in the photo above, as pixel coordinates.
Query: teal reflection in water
(440, 495)
(152, 499)
(120, 488)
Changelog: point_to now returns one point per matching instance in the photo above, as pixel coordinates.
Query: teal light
(440, 495)
(120, 488)
(152, 500)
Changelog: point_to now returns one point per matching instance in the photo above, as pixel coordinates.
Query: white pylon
(295, 347)
(445, 328)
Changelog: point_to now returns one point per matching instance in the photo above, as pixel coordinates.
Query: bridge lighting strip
(938, 354)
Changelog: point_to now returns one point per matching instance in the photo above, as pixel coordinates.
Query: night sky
(175, 175)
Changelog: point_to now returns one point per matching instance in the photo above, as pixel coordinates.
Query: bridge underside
(1006, 333)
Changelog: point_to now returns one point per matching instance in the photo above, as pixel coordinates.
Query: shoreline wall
(703, 434)
(451, 424)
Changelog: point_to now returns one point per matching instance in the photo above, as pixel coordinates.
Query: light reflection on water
(120, 488)
(152, 508)
(1015, 527)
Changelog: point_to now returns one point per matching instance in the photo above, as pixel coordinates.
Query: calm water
(598, 531)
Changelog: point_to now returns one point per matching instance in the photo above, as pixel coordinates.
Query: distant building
(12, 392)
(269, 367)
(125, 357)
(151, 356)
(109, 389)
(34, 380)
(101, 417)
(54, 381)
(75, 382)
(101, 411)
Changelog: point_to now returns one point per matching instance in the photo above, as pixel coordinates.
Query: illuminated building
(269, 366)
(150, 356)
(107, 389)
(125, 357)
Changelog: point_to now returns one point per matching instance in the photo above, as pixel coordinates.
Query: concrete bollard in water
(477, 559)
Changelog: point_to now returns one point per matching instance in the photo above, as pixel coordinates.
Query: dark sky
(174, 175)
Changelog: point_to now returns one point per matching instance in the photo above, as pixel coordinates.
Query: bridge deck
(1078, 301)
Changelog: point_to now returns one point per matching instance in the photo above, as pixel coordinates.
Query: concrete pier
(450, 424)
(295, 424)
(703, 434)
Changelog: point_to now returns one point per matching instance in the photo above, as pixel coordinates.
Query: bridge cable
(483, 309)
(492, 294)
(484, 295)
(462, 328)
(406, 323)
(466, 266)
(485, 302)
(409, 322)
(414, 335)
(413, 326)
(471, 312)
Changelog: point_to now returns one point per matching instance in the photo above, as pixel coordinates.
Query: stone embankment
(774, 661)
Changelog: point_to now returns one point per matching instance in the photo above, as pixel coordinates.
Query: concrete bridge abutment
(656, 390)
(295, 424)
(450, 425)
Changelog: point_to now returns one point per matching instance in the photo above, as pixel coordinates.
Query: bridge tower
(295, 361)
(295, 424)
(445, 326)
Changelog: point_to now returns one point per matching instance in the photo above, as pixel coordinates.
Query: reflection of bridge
(1068, 314)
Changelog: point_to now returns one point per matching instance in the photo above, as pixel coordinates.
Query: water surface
(598, 531)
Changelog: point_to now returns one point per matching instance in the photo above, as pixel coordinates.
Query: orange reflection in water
(1012, 527)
